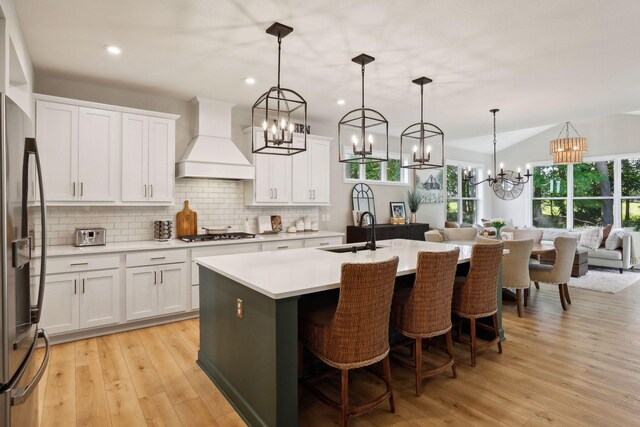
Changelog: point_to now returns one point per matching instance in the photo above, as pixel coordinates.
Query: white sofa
(618, 257)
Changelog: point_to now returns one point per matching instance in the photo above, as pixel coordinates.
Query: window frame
(479, 189)
(404, 173)
(617, 188)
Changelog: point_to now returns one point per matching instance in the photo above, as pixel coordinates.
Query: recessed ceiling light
(113, 50)
(340, 102)
(249, 80)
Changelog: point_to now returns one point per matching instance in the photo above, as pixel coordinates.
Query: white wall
(618, 134)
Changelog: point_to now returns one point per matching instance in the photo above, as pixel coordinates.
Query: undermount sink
(345, 249)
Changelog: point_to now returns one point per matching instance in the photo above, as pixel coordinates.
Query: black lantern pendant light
(274, 112)
(358, 129)
(418, 135)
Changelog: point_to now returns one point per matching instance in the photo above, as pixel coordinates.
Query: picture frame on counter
(264, 224)
(398, 210)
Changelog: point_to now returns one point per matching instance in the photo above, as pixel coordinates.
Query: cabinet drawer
(287, 244)
(322, 241)
(156, 257)
(241, 248)
(81, 263)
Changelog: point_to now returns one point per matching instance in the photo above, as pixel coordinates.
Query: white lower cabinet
(156, 290)
(81, 300)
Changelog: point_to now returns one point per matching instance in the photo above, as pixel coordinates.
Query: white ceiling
(541, 62)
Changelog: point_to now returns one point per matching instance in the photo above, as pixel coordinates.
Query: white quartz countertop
(147, 245)
(284, 274)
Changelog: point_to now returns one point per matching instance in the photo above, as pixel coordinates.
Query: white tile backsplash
(217, 202)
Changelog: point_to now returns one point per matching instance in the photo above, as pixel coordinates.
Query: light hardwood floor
(574, 368)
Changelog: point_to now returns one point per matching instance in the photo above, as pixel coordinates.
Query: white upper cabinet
(102, 154)
(310, 172)
(148, 153)
(299, 179)
(57, 137)
(98, 149)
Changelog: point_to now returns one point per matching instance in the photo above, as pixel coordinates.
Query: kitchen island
(249, 318)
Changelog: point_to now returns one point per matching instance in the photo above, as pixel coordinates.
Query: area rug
(607, 281)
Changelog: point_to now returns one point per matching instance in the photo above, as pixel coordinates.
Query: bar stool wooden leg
(450, 351)
(566, 293)
(537, 285)
(497, 330)
(387, 377)
(418, 361)
(345, 397)
(473, 341)
(526, 296)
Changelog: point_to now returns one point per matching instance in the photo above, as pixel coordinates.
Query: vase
(498, 233)
(412, 218)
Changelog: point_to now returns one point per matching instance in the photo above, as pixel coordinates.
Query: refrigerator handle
(31, 147)
(20, 395)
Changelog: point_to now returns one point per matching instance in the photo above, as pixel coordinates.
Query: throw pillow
(591, 238)
(613, 242)
(605, 234)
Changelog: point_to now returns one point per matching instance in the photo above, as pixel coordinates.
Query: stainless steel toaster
(90, 237)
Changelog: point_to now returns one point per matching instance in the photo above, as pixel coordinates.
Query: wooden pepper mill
(186, 221)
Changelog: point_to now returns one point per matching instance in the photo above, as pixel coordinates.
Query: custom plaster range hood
(211, 153)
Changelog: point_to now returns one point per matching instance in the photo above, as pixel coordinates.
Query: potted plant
(498, 223)
(415, 198)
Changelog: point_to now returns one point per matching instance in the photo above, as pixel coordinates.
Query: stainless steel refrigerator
(20, 301)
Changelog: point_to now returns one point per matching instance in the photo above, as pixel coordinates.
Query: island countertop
(295, 272)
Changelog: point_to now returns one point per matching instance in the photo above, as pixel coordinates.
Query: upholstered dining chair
(355, 332)
(560, 272)
(460, 234)
(424, 311)
(475, 296)
(535, 235)
(433, 236)
(515, 268)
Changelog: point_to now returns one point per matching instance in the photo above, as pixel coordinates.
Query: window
(388, 172)
(630, 189)
(550, 196)
(462, 197)
(595, 193)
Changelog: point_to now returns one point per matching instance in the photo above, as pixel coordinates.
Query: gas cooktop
(216, 237)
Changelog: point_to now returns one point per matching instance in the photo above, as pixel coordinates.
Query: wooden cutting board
(186, 221)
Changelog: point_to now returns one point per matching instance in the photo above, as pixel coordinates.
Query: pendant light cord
(495, 143)
(279, 50)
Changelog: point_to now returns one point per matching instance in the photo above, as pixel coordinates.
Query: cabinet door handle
(81, 189)
(155, 277)
(145, 190)
(271, 193)
(161, 276)
(276, 192)
(74, 189)
(151, 186)
(83, 286)
(283, 247)
(75, 286)
(314, 194)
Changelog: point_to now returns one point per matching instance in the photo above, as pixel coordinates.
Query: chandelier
(568, 150)
(502, 177)
(357, 128)
(274, 112)
(419, 134)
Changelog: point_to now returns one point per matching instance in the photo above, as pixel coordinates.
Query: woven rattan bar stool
(475, 296)
(354, 334)
(424, 311)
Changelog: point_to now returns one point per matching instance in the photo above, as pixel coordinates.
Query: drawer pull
(324, 243)
(77, 264)
(155, 258)
(283, 247)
